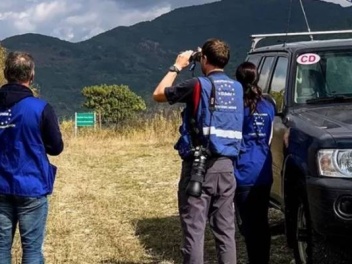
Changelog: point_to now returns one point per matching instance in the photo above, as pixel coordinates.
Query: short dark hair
(19, 67)
(217, 52)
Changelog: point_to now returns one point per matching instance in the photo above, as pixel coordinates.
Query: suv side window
(255, 60)
(278, 82)
(264, 73)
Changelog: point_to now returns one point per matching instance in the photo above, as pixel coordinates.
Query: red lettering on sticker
(312, 58)
(304, 59)
(308, 58)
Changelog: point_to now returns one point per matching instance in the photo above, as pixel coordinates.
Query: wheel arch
(294, 187)
(294, 177)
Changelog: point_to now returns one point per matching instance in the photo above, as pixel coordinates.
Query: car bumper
(330, 205)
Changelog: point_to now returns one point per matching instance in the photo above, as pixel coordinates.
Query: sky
(77, 20)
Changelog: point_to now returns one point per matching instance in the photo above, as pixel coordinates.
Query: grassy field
(115, 201)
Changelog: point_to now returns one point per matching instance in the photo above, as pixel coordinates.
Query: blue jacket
(24, 166)
(220, 129)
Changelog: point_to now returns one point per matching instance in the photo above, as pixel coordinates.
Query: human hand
(182, 60)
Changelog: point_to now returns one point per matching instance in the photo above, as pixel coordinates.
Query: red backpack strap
(196, 97)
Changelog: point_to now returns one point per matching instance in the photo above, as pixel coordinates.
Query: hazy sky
(76, 20)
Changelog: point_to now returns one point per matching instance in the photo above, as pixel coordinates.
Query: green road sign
(85, 119)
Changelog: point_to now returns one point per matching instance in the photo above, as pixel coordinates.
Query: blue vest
(254, 164)
(24, 166)
(220, 128)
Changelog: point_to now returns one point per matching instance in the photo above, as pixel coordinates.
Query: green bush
(113, 103)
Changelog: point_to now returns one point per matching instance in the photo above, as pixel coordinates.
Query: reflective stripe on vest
(222, 133)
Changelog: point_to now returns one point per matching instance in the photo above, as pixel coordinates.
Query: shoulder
(48, 114)
(34, 101)
(48, 110)
(268, 106)
(181, 92)
(189, 83)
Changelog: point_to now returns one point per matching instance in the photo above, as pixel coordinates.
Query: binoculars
(195, 57)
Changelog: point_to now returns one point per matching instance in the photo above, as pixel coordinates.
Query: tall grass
(161, 127)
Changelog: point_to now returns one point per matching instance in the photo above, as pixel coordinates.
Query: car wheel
(313, 248)
(302, 240)
(301, 236)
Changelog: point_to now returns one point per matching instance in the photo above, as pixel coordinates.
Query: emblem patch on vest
(226, 95)
(5, 119)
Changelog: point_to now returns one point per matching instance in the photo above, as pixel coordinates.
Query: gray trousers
(216, 206)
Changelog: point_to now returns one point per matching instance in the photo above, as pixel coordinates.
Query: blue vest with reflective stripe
(223, 126)
(221, 129)
(24, 166)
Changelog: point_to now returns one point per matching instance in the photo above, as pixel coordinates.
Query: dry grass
(115, 200)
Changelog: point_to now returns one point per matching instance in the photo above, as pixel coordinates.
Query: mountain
(139, 55)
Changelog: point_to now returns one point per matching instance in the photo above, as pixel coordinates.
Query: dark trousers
(252, 204)
(214, 205)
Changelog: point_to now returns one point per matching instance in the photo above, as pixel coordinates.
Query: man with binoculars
(211, 133)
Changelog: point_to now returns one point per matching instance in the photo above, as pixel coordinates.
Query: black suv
(311, 82)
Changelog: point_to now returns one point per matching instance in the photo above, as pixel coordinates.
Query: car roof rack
(258, 37)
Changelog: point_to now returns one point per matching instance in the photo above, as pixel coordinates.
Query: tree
(115, 103)
(2, 65)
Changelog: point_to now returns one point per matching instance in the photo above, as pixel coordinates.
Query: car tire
(312, 248)
(302, 241)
